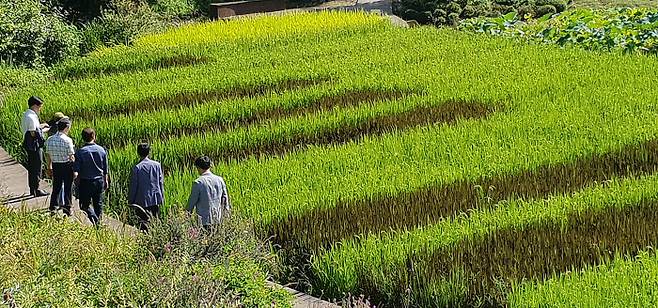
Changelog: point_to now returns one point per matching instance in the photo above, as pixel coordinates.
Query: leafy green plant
(451, 13)
(626, 30)
(33, 37)
(47, 261)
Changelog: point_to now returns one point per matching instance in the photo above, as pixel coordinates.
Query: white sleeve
(32, 123)
(71, 147)
(24, 124)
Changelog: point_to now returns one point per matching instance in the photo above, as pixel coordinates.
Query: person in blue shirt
(91, 175)
(146, 192)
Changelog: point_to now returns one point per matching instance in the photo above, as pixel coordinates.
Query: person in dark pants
(53, 123)
(60, 154)
(91, 175)
(33, 142)
(146, 192)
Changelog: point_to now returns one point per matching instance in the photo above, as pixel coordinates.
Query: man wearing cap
(60, 154)
(33, 142)
(53, 123)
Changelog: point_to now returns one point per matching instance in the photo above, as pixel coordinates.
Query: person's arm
(194, 197)
(226, 202)
(49, 165)
(31, 125)
(76, 168)
(161, 175)
(132, 190)
(105, 170)
(71, 151)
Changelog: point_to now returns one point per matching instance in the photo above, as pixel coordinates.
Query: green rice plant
(433, 203)
(380, 266)
(629, 282)
(217, 116)
(337, 127)
(201, 42)
(195, 97)
(489, 264)
(559, 106)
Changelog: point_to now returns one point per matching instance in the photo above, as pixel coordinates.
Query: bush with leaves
(33, 36)
(451, 12)
(50, 262)
(626, 30)
(230, 254)
(183, 8)
(77, 11)
(121, 23)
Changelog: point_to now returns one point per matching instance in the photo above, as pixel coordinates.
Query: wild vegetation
(48, 261)
(626, 30)
(450, 13)
(369, 152)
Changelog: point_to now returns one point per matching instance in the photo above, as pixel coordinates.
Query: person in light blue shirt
(146, 192)
(209, 195)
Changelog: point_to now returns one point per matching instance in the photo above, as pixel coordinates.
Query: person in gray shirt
(209, 195)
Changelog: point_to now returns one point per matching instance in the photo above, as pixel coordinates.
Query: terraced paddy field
(420, 167)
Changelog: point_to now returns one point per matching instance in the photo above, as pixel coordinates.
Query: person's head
(143, 150)
(58, 116)
(64, 125)
(202, 164)
(35, 103)
(89, 135)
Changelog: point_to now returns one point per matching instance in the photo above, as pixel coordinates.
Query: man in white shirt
(33, 142)
(60, 154)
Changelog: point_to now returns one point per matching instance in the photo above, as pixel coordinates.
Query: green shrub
(526, 11)
(454, 7)
(120, 25)
(183, 8)
(626, 30)
(545, 10)
(559, 6)
(173, 7)
(47, 262)
(32, 36)
(455, 11)
(78, 11)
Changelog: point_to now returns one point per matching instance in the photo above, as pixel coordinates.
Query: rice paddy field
(421, 167)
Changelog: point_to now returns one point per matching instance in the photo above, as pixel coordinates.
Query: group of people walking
(87, 167)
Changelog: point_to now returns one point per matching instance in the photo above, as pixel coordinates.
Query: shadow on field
(486, 265)
(323, 227)
(341, 133)
(84, 71)
(350, 98)
(175, 100)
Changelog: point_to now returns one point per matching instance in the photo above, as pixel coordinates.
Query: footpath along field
(422, 167)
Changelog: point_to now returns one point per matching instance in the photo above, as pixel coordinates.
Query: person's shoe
(40, 193)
